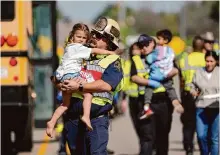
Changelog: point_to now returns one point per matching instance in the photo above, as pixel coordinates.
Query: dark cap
(144, 40)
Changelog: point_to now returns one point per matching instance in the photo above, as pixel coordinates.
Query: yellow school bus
(28, 53)
(15, 26)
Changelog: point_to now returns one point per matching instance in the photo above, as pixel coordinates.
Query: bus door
(43, 58)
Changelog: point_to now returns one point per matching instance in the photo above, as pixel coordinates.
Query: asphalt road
(122, 138)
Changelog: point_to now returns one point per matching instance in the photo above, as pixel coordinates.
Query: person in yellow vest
(106, 77)
(155, 129)
(161, 67)
(129, 89)
(69, 68)
(188, 65)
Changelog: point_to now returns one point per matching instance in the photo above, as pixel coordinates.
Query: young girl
(70, 67)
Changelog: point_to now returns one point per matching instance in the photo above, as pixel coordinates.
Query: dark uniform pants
(154, 130)
(188, 118)
(161, 122)
(84, 142)
(134, 109)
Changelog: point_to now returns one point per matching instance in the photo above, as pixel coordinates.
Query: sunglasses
(103, 36)
(208, 41)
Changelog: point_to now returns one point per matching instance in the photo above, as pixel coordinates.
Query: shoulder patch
(117, 65)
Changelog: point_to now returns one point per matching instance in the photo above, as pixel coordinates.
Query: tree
(61, 16)
(198, 19)
(150, 22)
(112, 11)
(214, 13)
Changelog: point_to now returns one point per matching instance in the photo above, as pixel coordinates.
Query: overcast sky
(86, 11)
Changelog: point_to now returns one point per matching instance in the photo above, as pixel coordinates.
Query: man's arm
(96, 86)
(135, 78)
(55, 82)
(139, 80)
(109, 81)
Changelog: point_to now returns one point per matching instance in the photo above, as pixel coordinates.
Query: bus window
(7, 10)
(42, 35)
(44, 90)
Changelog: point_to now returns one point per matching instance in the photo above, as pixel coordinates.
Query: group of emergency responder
(129, 77)
(187, 62)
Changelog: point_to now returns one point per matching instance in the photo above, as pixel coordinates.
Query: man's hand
(70, 85)
(83, 81)
(124, 105)
(56, 83)
(195, 93)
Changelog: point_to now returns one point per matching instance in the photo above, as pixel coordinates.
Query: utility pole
(183, 21)
(121, 13)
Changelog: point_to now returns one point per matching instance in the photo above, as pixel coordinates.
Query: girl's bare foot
(49, 130)
(87, 122)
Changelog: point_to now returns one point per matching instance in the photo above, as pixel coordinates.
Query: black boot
(189, 151)
(110, 151)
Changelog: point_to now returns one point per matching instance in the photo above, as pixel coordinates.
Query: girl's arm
(102, 51)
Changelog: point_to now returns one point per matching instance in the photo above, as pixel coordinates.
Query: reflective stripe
(141, 67)
(95, 68)
(132, 91)
(141, 70)
(104, 95)
(189, 67)
(100, 66)
(187, 70)
(141, 88)
(126, 75)
(188, 84)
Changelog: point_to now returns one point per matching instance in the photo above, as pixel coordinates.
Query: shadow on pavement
(179, 142)
(43, 141)
(181, 150)
(127, 154)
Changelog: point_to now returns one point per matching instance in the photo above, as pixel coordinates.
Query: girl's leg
(214, 131)
(58, 112)
(87, 101)
(202, 130)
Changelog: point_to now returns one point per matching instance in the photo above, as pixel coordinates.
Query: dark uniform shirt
(113, 76)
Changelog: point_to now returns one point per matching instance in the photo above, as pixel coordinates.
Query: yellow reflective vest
(133, 89)
(126, 67)
(99, 67)
(188, 65)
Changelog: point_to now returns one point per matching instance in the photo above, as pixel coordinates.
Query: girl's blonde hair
(78, 26)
